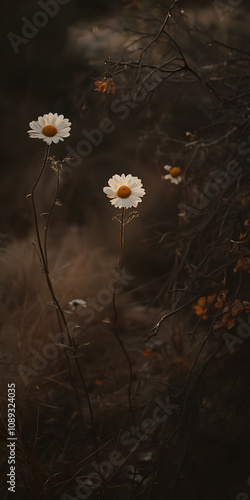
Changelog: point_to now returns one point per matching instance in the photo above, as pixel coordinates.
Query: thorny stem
(122, 227)
(44, 261)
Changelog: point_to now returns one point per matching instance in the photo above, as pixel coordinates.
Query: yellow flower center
(175, 171)
(124, 192)
(49, 131)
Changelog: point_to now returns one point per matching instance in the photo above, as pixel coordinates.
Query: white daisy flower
(174, 174)
(50, 128)
(125, 190)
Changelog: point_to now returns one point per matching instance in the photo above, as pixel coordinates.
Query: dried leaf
(105, 86)
(244, 264)
(237, 307)
(246, 203)
(246, 306)
(202, 305)
(247, 224)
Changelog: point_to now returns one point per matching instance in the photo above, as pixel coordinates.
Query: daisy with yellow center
(50, 127)
(125, 191)
(173, 175)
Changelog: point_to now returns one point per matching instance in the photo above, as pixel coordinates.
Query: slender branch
(228, 47)
(137, 65)
(167, 315)
(168, 16)
(188, 68)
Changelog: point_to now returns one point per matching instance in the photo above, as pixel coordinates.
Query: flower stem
(60, 313)
(122, 228)
(49, 218)
(34, 202)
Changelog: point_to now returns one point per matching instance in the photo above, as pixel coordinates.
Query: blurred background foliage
(55, 71)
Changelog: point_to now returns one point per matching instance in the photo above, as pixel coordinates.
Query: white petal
(115, 182)
(60, 119)
(138, 192)
(134, 199)
(53, 119)
(109, 192)
(63, 133)
(47, 139)
(64, 129)
(36, 135)
(117, 202)
(135, 203)
(136, 187)
(34, 132)
(135, 182)
(48, 119)
(35, 125)
(114, 185)
(128, 179)
(117, 178)
(41, 121)
(55, 139)
(63, 124)
(126, 203)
